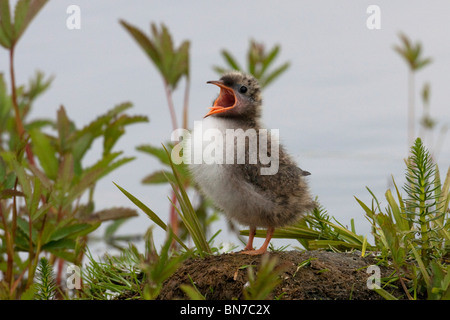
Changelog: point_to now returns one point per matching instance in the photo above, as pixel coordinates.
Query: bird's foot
(254, 252)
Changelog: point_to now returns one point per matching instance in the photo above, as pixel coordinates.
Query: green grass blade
(187, 212)
(422, 267)
(153, 216)
(384, 294)
(401, 221)
(368, 211)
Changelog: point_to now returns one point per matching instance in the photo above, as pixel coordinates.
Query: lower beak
(226, 100)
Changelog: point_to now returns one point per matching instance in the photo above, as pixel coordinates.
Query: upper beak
(226, 100)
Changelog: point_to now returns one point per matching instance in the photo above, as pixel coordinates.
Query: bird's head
(240, 96)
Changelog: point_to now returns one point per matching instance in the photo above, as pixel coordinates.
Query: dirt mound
(326, 275)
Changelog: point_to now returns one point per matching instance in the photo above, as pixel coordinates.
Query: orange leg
(251, 236)
(263, 248)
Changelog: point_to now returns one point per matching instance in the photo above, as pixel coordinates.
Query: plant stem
(13, 236)
(171, 106)
(18, 119)
(173, 216)
(19, 124)
(186, 103)
(423, 223)
(9, 248)
(173, 219)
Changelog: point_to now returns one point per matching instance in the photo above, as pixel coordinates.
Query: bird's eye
(243, 89)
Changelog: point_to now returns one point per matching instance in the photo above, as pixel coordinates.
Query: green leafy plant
(259, 62)
(173, 65)
(261, 284)
(130, 275)
(46, 285)
(412, 55)
(46, 189)
(186, 213)
(414, 231)
(191, 291)
(10, 33)
(204, 210)
(112, 277)
(159, 267)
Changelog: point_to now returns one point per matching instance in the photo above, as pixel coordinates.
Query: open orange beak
(226, 100)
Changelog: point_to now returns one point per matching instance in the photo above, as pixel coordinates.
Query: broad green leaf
(5, 101)
(269, 59)
(46, 153)
(230, 60)
(107, 165)
(63, 125)
(24, 226)
(158, 177)
(180, 64)
(118, 109)
(20, 13)
(64, 243)
(115, 130)
(47, 184)
(88, 230)
(5, 42)
(165, 46)
(79, 148)
(87, 180)
(65, 174)
(37, 85)
(24, 18)
(43, 209)
(183, 54)
(274, 74)
(21, 242)
(64, 253)
(68, 231)
(38, 124)
(159, 153)
(5, 19)
(145, 43)
(23, 179)
(33, 203)
(96, 127)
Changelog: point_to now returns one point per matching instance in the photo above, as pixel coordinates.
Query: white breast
(207, 170)
(237, 199)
